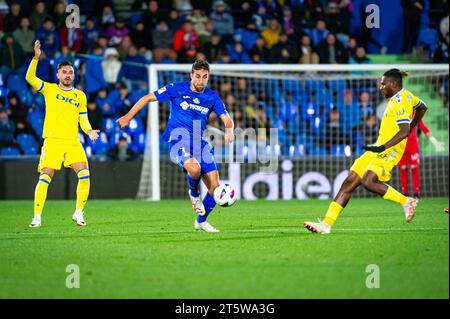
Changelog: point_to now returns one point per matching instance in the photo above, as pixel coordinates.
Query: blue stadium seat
(338, 150)
(26, 141)
(32, 150)
(101, 145)
(139, 141)
(135, 126)
(9, 151)
(37, 123)
(109, 125)
(16, 83)
(428, 38)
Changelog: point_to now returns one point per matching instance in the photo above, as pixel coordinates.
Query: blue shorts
(181, 151)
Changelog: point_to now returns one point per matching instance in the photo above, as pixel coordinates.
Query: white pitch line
(270, 230)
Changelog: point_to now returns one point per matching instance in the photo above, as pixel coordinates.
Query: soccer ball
(225, 195)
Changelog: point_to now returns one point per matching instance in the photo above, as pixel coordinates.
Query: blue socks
(193, 185)
(209, 204)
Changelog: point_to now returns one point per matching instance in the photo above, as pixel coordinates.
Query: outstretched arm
(229, 127)
(143, 101)
(397, 138)
(31, 77)
(418, 114)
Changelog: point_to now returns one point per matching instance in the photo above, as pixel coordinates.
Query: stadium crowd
(118, 38)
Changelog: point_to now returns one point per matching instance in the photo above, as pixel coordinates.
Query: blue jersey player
(191, 103)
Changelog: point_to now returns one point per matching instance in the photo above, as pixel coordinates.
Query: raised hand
(37, 49)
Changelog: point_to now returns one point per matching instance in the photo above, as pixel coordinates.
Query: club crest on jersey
(67, 100)
(196, 101)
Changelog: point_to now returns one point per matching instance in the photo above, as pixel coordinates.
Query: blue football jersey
(187, 106)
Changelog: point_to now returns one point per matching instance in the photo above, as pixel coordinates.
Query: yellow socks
(332, 214)
(40, 193)
(395, 196)
(82, 188)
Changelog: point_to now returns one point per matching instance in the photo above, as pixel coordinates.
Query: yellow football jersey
(64, 108)
(399, 109)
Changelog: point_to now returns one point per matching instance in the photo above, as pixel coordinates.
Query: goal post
(274, 85)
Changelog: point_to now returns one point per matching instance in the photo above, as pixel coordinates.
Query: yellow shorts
(379, 163)
(55, 151)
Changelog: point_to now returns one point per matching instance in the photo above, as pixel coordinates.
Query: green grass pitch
(138, 249)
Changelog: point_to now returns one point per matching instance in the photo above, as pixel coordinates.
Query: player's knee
(84, 175)
(367, 183)
(194, 171)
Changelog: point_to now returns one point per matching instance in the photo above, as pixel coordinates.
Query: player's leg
(77, 160)
(415, 172)
(50, 160)
(337, 205)
(372, 183)
(352, 181)
(40, 194)
(193, 176)
(404, 179)
(211, 180)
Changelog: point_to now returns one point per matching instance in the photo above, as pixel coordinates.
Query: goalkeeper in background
(373, 168)
(65, 107)
(411, 159)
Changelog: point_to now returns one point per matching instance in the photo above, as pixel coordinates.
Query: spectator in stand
(185, 43)
(38, 16)
(90, 34)
(307, 54)
(122, 152)
(365, 105)
(334, 135)
(243, 16)
(206, 35)
(12, 20)
(287, 24)
(95, 114)
(412, 10)
(261, 17)
(111, 66)
(134, 71)
(94, 73)
(150, 19)
(238, 54)
(198, 19)
(59, 14)
(24, 36)
(284, 51)
(259, 53)
(107, 17)
(115, 33)
(140, 38)
(223, 21)
(71, 37)
(7, 129)
(123, 47)
(48, 37)
(352, 45)
(174, 21)
(163, 43)
(360, 57)
(335, 24)
(213, 49)
(11, 55)
(123, 104)
(319, 33)
(369, 129)
(331, 51)
(18, 112)
(442, 51)
(444, 25)
(44, 69)
(271, 33)
(104, 103)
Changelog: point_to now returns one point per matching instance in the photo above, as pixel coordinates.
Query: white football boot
(197, 204)
(78, 218)
(205, 226)
(410, 208)
(36, 222)
(321, 227)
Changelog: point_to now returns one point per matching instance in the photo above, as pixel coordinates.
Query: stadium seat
(135, 126)
(37, 123)
(428, 38)
(26, 141)
(139, 141)
(31, 150)
(109, 125)
(9, 151)
(16, 83)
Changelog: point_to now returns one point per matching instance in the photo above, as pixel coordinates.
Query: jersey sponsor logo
(186, 97)
(185, 105)
(67, 100)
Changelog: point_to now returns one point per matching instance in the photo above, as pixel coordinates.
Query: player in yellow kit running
(373, 168)
(65, 107)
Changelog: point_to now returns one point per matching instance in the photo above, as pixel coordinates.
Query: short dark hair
(396, 75)
(64, 63)
(200, 65)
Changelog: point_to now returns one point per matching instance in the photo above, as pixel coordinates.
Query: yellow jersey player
(65, 107)
(373, 168)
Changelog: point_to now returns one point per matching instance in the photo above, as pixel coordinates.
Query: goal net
(298, 128)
